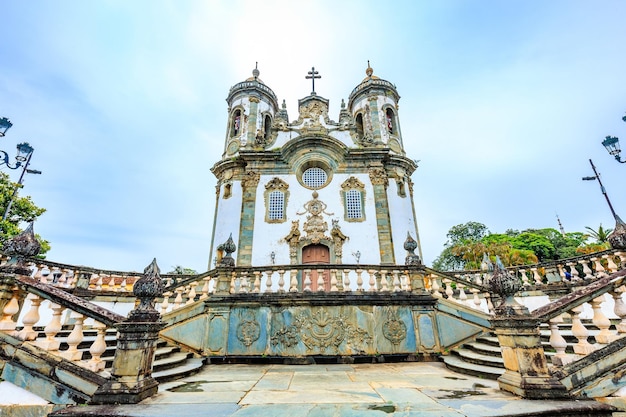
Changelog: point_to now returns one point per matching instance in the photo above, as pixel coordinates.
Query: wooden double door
(317, 254)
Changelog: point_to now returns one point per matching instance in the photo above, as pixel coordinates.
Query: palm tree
(599, 235)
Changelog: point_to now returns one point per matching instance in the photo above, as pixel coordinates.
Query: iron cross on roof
(312, 76)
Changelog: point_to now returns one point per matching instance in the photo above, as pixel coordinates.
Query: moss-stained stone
(44, 387)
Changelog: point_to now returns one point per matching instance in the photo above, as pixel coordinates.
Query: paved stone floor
(395, 389)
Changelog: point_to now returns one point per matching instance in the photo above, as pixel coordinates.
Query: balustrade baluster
(97, 348)
(333, 280)
(307, 280)
(600, 271)
(7, 324)
(50, 343)
(233, 281)
(573, 272)
(124, 284)
(384, 284)
(179, 298)
(622, 259)
(98, 286)
(372, 281)
(74, 339)
(602, 322)
(166, 302)
(191, 296)
(256, 285)
(205, 287)
(619, 309)
(395, 281)
(320, 280)
(524, 278)
(558, 343)
(561, 272)
(582, 347)
(476, 298)
(449, 290)
(346, 280)
(610, 263)
(478, 279)
(537, 276)
(293, 279)
(244, 285)
(489, 302)
(39, 274)
(587, 269)
(30, 319)
(268, 281)
(281, 281)
(359, 280)
(462, 295)
(434, 287)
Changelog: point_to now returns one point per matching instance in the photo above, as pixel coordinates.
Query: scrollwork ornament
(378, 176)
(248, 331)
(251, 179)
(394, 329)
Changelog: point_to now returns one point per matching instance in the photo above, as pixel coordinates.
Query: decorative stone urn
(617, 238)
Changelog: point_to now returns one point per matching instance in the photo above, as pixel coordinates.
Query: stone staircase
(482, 357)
(170, 361)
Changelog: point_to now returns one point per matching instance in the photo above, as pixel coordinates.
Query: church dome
(253, 86)
(372, 84)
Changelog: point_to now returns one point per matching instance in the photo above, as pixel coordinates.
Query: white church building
(314, 190)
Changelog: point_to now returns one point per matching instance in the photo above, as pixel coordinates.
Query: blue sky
(503, 103)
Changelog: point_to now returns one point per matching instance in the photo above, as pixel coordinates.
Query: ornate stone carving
(285, 336)
(315, 227)
(322, 331)
(146, 289)
(276, 184)
(352, 183)
(410, 245)
(254, 99)
(394, 329)
(378, 176)
(251, 179)
(229, 247)
(338, 239)
(23, 245)
(293, 238)
(617, 238)
(505, 285)
(248, 331)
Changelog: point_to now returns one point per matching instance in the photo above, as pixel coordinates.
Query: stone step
(455, 363)
(172, 360)
(484, 348)
(190, 367)
(476, 358)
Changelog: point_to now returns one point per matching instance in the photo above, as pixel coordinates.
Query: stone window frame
(394, 120)
(352, 184)
(314, 164)
(231, 124)
(273, 186)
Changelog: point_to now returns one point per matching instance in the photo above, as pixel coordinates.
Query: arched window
(353, 196)
(267, 127)
(236, 123)
(359, 125)
(390, 119)
(276, 195)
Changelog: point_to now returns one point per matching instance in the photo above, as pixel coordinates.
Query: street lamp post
(617, 238)
(611, 143)
(24, 154)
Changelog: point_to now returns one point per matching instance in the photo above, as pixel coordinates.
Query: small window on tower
(268, 127)
(236, 123)
(390, 119)
(359, 126)
(276, 195)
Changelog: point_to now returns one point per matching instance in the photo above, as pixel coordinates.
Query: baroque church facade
(314, 190)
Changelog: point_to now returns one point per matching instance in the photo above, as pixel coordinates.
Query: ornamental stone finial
(410, 245)
(505, 285)
(23, 245)
(146, 289)
(228, 247)
(617, 238)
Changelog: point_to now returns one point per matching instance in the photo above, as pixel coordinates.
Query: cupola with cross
(314, 189)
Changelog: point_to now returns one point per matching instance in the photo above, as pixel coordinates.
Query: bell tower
(313, 190)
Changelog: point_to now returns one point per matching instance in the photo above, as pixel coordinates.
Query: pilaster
(378, 177)
(248, 206)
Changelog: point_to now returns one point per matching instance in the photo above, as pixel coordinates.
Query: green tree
(601, 235)
(461, 234)
(23, 210)
(179, 270)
